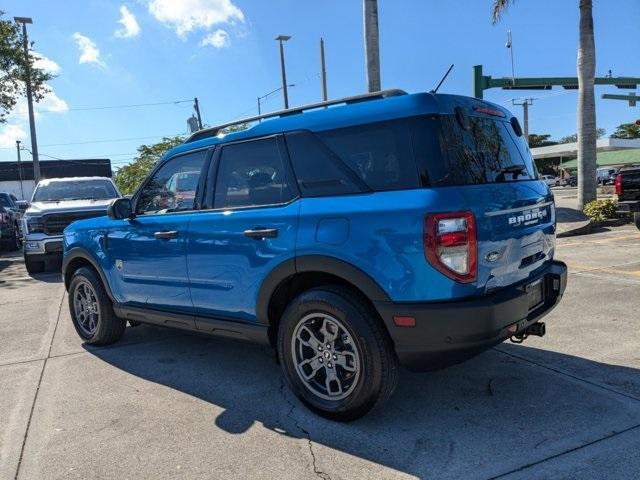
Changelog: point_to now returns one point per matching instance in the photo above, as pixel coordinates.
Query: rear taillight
(450, 244)
(618, 185)
(4, 217)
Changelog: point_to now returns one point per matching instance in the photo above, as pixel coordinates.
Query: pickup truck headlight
(34, 224)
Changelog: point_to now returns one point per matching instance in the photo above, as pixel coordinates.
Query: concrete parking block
(18, 384)
(201, 408)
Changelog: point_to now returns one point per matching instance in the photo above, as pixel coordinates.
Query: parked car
(9, 222)
(56, 203)
(391, 228)
(550, 180)
(572, 181)
(606, 175)
(627, 190)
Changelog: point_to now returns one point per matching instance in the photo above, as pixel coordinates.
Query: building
(613, 152)
(19, 181)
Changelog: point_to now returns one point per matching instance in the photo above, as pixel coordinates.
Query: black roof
(89, 167)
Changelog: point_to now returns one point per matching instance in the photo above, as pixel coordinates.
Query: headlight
(34, 224)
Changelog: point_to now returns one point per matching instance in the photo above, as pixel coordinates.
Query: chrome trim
(517, 209)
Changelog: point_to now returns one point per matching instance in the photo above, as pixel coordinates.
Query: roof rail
(213, 131)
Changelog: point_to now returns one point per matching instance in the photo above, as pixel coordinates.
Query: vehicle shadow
(485, 417)
(14, 275)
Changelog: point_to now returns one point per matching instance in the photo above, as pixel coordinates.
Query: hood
(37, 208)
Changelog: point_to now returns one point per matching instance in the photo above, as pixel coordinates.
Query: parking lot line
(599, 241)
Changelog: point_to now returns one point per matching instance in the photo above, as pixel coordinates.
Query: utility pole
(323, 71)
(196, 107)
(20, 170)
(32, 122)
(372, 44)
(525, 114)
(282, 39)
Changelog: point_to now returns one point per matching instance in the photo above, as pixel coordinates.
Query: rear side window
(380, 154)
(252, 173)
(483, 151)
(318, 171)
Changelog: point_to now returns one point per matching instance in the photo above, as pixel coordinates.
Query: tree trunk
(371, 44)
(586, 107)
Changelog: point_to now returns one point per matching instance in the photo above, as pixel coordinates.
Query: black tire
(378, 364)
(33, 266)
(636, 219)
(109, 328)
(13, 243)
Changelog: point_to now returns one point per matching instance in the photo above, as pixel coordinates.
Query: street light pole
(267, 95)
(372, 44)
(282, 39)
(20, 170)
(32, 121)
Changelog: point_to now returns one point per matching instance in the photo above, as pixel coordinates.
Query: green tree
(129, 177)
(627, 130)
(13, 69)
(586, 66)
(574, 138)
(542, 140)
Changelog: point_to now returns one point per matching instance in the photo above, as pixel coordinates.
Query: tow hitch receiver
(537, 329)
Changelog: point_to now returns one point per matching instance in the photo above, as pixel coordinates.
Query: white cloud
(52, 103)
(217, 39)
(185, 16)
(89, 52)
(46, 64)
(10, 133)
(130, 27)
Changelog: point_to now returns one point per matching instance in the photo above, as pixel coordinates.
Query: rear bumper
(630, 206)
(450, 332)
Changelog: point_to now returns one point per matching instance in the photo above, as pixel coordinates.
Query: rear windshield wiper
(514, 170)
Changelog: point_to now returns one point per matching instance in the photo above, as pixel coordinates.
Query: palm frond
(499, 7)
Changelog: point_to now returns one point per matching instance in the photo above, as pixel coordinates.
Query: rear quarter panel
(382, 234)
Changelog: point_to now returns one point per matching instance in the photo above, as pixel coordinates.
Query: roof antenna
(435, 90)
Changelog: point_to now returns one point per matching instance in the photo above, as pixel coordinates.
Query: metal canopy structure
(571, 149)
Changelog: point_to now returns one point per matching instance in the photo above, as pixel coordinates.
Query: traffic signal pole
(483, 82)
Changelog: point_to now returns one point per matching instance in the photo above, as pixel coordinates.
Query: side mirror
(120, 209)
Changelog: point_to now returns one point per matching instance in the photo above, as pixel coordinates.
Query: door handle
(261, 233)
(166, 235)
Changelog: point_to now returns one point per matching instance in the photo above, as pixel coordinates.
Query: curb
(582, 229)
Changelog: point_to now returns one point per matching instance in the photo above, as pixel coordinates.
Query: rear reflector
(450, 244)
(404, 321)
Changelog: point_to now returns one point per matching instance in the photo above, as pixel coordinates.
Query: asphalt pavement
(164, 404)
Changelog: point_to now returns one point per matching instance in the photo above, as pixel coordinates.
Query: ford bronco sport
(352, 236)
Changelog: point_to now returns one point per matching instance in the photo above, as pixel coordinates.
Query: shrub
(599, 210)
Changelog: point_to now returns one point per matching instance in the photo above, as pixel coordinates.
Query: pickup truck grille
(55, 223)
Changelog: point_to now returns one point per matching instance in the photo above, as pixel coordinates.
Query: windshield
(5, 202)
(75, 190)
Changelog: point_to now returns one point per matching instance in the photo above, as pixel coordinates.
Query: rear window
(483, 151)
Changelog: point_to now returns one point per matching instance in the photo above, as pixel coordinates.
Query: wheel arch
(296, 275)
(77, 258)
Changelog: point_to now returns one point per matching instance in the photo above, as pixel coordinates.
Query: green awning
(619, 157)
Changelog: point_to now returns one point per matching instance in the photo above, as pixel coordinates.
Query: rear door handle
(260, 233)
(166, 235)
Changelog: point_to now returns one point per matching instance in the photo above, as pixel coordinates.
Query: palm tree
(586, 99)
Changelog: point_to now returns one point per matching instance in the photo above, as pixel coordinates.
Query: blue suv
(351, 236)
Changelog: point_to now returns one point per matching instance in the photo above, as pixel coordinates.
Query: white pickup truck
(56, 203)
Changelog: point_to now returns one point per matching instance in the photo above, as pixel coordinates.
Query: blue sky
(109, 53)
